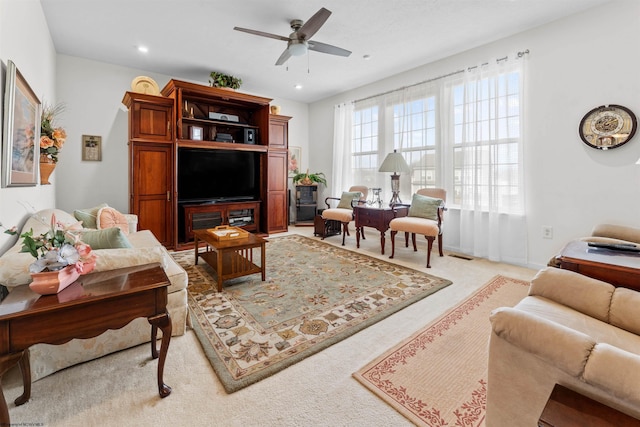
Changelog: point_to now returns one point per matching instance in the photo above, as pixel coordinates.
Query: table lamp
(394, 162)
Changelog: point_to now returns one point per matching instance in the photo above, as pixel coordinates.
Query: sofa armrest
(584, 294)
(132, 221)
(558, 345)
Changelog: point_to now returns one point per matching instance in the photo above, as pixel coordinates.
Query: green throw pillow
(107, 238)
(424, 207)
(89, 216)
(347, 197)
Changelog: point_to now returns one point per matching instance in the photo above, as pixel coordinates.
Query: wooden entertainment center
(191, 116)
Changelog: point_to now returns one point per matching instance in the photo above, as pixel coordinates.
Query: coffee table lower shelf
(231, 258)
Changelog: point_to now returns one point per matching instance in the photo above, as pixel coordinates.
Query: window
(486, 140)
(365, 146)
(415, 135)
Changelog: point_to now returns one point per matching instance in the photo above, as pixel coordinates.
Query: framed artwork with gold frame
(92, 148)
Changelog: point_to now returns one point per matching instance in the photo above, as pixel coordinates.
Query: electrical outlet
(547, 232)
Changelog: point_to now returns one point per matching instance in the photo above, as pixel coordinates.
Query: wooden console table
(92, 305)
(566, 408)
(378, 218)
(230, 258)
(620, 268)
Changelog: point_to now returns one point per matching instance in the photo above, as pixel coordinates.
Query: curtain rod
(504, 58)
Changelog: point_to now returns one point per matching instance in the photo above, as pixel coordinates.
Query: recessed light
(143, 49)
(366, 57)
(298, 86)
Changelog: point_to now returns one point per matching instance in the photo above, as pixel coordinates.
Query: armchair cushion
(415, 225)
(346, 199)
(338, 214)
(424, 207)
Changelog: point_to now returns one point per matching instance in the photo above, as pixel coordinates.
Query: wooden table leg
(6, 362)
(358, 237)
(382, 242)
(195, 242)
(25, 368)
(163, 322)
(263, 262)
(219, 268)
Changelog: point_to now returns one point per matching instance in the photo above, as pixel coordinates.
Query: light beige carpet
(438, 376)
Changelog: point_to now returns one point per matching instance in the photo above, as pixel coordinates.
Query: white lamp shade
(394, 162)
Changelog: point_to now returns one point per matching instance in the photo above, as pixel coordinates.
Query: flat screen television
(217, 175)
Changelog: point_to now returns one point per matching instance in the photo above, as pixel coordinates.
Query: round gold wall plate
(607, 126)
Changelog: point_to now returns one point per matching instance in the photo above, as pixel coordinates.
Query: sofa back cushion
(624, 310)
(584, 294)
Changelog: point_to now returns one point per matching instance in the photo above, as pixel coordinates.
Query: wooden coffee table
(620, 268)
(230, 258)
(90, 306)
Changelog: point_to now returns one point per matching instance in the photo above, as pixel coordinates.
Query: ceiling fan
(299, 41)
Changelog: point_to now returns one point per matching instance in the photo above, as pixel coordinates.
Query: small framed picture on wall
(295, 153)
(91, 148)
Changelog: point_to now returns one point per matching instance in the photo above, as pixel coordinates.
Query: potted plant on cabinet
(309, 178)
(222, 80)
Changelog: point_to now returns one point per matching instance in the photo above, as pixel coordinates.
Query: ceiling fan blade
(314, 23)
(262, 33)
(284, 57)
(327, 48)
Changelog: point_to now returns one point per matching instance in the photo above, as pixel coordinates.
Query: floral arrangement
(57, 249)
(52, 138)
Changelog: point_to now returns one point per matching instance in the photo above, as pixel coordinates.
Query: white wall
(575, 64)
(35, 57)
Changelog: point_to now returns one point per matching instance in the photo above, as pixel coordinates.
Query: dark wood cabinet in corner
(277, 210)
(151, 163)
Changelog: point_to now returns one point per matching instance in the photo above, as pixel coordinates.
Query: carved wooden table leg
(163, 322)
(25, 368)
(6, 362)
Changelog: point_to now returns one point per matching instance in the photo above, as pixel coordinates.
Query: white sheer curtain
(484, 135)
(342, 176)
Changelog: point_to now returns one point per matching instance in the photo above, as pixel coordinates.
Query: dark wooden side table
(567, 408)
(620, 268)
(378, 218)
(92, 305)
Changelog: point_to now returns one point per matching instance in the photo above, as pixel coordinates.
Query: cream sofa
(572, 330)
(47, 359)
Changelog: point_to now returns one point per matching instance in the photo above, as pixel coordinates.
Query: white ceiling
(187, 39)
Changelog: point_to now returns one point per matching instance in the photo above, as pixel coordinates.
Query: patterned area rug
(438, 376)
(315, 295)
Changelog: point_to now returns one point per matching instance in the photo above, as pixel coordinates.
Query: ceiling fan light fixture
(298, 47)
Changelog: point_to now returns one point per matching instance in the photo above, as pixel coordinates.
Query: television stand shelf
(199, 216)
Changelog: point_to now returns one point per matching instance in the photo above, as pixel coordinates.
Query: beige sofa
(572, 330)
(47, 359)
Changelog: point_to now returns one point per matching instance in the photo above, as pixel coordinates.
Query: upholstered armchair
(343, 212)
(425, 218)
